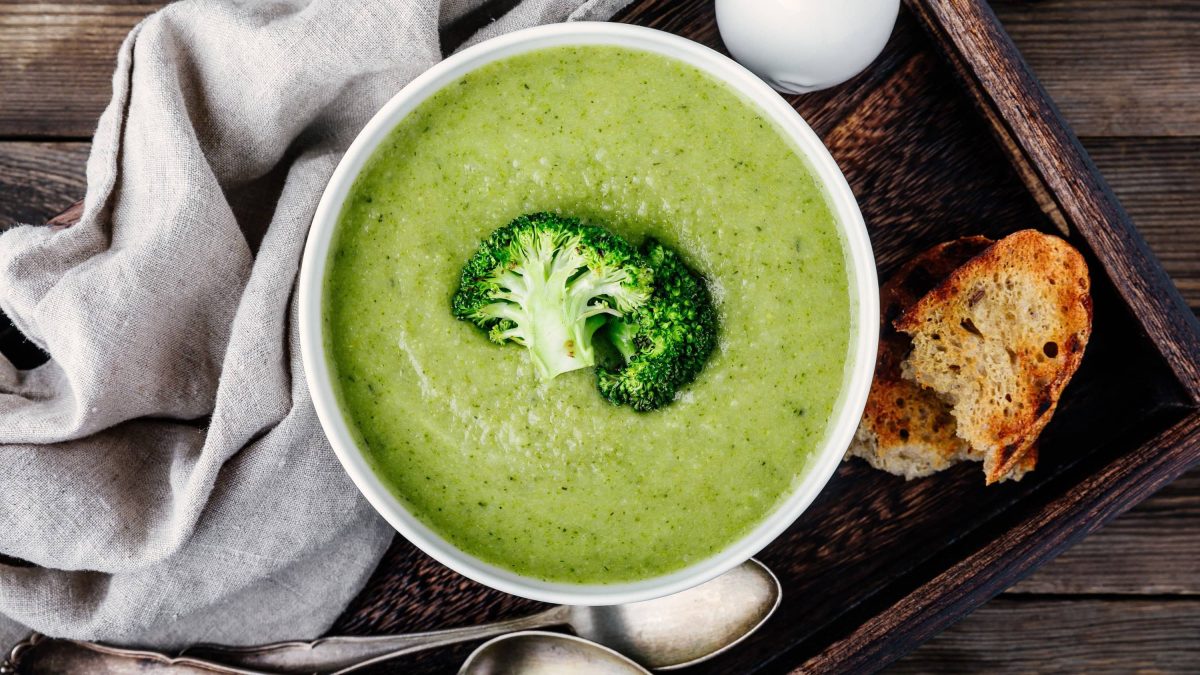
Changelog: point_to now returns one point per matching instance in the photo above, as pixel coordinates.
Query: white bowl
(864, 292)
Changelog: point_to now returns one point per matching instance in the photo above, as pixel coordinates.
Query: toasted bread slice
(907, 430)
(999, 339)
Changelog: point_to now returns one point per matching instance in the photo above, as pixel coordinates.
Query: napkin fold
(165, 472)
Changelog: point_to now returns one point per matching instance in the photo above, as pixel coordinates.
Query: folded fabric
(165, 472)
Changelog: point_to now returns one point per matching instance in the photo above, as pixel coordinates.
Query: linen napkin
(165, 472)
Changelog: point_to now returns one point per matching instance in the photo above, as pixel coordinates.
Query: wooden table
(1126, 74)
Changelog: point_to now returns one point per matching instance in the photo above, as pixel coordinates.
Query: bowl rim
(862, 283)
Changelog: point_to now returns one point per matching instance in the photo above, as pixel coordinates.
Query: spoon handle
(345, 654)
(40, 654)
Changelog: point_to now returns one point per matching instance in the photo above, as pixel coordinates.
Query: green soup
(548, 479)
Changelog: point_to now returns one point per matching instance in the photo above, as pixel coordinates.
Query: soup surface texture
(549, 480)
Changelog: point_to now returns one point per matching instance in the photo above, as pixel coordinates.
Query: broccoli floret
(664, 342)
(548, 282)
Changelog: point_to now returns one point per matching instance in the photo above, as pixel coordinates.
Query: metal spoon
(541, 653)
(672, 632)
(688, 627)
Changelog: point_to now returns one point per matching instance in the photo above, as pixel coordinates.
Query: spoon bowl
(688, 627)
(544, 653)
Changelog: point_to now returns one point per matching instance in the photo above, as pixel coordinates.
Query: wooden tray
(947, 134)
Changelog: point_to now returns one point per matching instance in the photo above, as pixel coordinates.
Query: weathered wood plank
(1158, 182)
(1066, 636)
(1115, 68)
(1152, 549)
(56, 70)
(38, 180)
(58, 60)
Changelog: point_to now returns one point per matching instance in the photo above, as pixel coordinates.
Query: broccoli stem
(553, 314)
(558, 342)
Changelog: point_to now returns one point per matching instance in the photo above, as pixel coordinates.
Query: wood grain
(1091, 636)
(1158, 181)
(38, 180)
(1154, 549)
(57, 65)
(58, 58)
(1115, 67)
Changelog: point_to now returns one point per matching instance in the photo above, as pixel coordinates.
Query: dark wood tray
(947, 134)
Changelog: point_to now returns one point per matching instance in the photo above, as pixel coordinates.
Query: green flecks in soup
(548, 479)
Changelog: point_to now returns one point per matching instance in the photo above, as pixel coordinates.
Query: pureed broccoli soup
(547, 478)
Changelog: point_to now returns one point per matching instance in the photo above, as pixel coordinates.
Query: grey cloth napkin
(165, 472)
